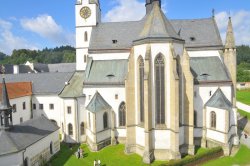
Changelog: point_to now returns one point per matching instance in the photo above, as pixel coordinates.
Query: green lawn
(109, 156)
(244, 114)
(243, 96)
(241, 158)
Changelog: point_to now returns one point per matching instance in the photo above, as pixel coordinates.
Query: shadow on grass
(67, 150)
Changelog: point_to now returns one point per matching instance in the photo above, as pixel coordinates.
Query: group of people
(80, 153)
(97, 163)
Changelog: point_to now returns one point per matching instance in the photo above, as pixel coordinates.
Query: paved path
(243, 106)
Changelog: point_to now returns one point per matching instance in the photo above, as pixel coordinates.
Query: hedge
(192, 160)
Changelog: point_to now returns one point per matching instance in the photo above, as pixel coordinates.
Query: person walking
(95, 163)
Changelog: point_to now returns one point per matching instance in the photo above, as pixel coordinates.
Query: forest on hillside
(66, 54)
(63, 54)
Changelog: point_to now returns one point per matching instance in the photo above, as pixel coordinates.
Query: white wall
(55, 114)
(203, 95)
(206, 53)
(110, 56)
(41, 145)
(20, 112)
(140, 136)
(162, 139)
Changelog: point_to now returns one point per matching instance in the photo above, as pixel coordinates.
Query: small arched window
(82, 128)
(51, 147)
(160, 89)
(86, 36)
(141, 88)
(195, 118)
(105, 120)
(213, 119)
(70, 129)
(122, 114)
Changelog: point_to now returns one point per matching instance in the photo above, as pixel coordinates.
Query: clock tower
(88, 15)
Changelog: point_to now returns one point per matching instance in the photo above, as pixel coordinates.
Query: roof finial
(3, 70)
(213, 12)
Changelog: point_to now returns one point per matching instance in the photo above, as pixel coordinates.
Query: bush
(195, 158)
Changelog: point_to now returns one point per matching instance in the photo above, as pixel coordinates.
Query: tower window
(192, 38)
(41, 106)
(69, 109)
(85, 58)
(86, 36)
(116, 96)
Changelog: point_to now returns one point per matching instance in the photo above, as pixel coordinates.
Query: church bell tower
(5, 109)
(88, 15)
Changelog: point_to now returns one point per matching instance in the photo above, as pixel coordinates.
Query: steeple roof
(5, 104)
(157, 26)
(230, 41)
(219, 100)
(97, 104)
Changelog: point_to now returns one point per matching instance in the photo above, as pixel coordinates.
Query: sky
(38, 24)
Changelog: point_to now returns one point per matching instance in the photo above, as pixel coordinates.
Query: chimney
(16, 69)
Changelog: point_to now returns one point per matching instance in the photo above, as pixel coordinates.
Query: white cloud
(126, 10)
(241, 25)
(9, 41)
(46, 27)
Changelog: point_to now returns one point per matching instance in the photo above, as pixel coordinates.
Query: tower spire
(150, 3)
(230, 41)
(5, 109)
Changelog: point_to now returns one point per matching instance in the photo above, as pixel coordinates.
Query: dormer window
(110, 75)
(192, 38)
(86, 36)
(114, 41)
(205, 76)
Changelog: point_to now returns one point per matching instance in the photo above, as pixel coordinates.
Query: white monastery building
(159, 86)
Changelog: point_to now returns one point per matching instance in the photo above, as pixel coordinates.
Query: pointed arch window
(86, 36)
(105, 120)
(141, 88)
(122, 114)
(82, 128)
(160, 89)
(70, 129)
(213, 119)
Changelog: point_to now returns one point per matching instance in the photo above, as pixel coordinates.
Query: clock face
(85, 12)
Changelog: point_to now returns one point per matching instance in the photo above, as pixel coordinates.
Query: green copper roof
(74, 87)
(219, 100)
(208, 69)
(106, 72)
(97, 104)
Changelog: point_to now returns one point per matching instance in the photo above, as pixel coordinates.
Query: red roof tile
(16, 90)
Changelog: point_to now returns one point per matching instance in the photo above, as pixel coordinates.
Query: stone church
(159, 86)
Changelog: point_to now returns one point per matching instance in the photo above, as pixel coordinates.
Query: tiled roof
(74, 87)
(106, 72)
(97, 104)
(197, 33)
(19, 137)
(219, 100)
(208, 69)
(42, 83)
(18, 89)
